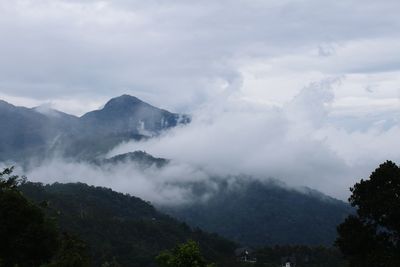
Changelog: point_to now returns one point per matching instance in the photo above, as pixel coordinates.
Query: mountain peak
(123, 100)
(129, 114)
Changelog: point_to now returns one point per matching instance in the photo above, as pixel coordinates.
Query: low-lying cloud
(299, 143)
(302, 143)
(235, 66)
(152, 184)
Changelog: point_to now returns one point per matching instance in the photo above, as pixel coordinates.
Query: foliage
(73, 252)
(120, 228)
(266, 213)
(140, 158)
(372, 236)
(8, 181)
(112, 263)
(184, 255)
(28, 238)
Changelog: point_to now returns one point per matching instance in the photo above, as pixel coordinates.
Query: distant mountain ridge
(26, 132)
(259, 213)
(37, 132)
(140, 158)
(130, 114)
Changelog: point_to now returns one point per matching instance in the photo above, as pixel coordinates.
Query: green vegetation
(100, 227)
(118, 228)
(257, 214)
(140, 158)
(184, 255)
(371, 238)
(73, 252)
(27, 237)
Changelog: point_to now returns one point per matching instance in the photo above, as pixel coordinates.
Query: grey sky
(179, 54)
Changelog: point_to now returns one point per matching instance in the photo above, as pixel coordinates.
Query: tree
(113, 263)
(8, 181)
(184, 255)
(28, 238)
(371, 237)
(73, 252)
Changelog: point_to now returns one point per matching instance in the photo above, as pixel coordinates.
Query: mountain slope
(130, 114)
(141, 159)
(264, 213)
(26, 132)
(122, 119)
(120, 226)
(41, 132)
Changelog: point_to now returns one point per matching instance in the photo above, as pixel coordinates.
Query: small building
(288, 261)
(245, 254)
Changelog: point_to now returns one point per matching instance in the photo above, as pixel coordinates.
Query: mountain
(266, 213)
(120, 227)
(128, 114)
(127, 230)
(140, 158)
(247, 211)
(41, 131)
(53, 114)
(122, 119)
(27, 132)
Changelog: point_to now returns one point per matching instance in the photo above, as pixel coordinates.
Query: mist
(304, 143)
(301, 143)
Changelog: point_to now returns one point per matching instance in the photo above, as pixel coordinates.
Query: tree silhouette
(27, 237)
(73, 252)
(371, 237)
(184, 255)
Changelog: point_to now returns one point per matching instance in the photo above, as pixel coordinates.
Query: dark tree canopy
(120, 229)
(27, 237)
(265, 214)
(8, 181)
(73, 252)
(371, 237)
(184, 255)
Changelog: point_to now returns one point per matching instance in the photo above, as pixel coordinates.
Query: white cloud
(181, 54)
(236, 65)
(303, 143)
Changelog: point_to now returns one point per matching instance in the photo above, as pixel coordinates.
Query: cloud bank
(301, 144)
(237, 138)
(256, 75)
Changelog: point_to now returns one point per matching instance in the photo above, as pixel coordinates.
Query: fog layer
(303, 143)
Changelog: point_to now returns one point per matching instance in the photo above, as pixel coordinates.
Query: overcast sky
(180, 54)
(314, 85)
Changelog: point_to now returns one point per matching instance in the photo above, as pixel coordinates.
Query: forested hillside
(259, 213)
(118, 226)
